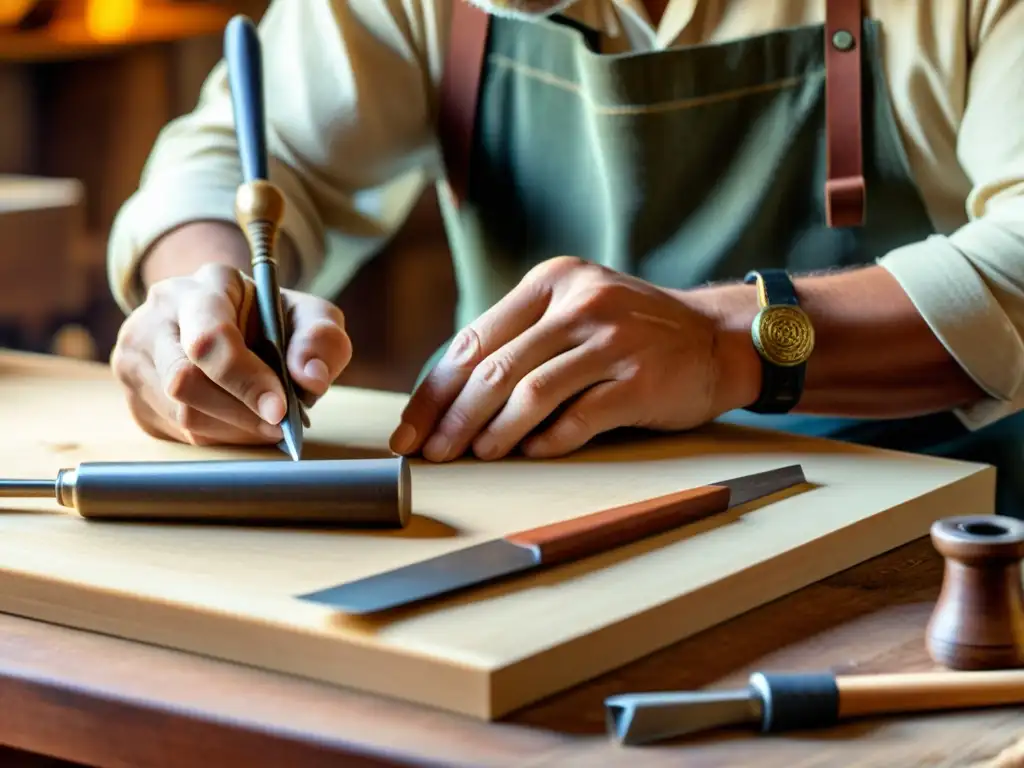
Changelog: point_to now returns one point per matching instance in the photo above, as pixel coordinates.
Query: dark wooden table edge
(29, 705)
(48, 716)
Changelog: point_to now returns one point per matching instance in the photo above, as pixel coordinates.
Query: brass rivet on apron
(842, 40)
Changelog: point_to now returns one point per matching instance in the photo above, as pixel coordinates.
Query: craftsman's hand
(616, 350)
(183, 358)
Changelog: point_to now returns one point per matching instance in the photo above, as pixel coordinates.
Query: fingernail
(484, 446)
(270, 407)
(437, 448)
(317, 370)
(403, 438)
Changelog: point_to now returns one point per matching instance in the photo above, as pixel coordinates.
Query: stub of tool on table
(779, 702)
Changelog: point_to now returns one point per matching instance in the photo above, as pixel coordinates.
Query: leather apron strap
(460, 87)
(844, 186)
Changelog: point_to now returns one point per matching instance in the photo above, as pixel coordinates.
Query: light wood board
(229, 592)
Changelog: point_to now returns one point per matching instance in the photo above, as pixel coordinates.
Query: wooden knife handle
(600, 531)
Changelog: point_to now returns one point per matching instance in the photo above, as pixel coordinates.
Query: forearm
(185, 249)
(874, 355)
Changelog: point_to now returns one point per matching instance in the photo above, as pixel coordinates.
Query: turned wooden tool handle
(600, 531)
(918, 692)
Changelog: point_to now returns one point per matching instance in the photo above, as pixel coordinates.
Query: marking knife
(551, 544)
(789, 701)
(259, 210)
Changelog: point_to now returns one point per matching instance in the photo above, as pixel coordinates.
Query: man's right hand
(184, 360)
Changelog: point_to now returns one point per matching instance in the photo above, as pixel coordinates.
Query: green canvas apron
(683, 166)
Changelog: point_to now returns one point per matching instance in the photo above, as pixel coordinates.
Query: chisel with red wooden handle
(775, 702)
(551, 544)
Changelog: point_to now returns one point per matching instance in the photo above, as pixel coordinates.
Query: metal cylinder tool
(342, 492)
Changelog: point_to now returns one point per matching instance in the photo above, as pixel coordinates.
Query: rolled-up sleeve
(349, 87)
(969, 285)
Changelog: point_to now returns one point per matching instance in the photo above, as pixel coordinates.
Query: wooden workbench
(112, 703)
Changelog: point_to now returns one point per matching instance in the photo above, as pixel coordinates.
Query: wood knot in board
(61, 447)
(978, 620)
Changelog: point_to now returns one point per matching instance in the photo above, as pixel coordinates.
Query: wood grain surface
(111, 703)
(229, 592)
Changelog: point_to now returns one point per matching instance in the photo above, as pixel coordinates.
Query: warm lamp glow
(111, 19)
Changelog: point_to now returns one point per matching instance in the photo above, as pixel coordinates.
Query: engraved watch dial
(784, 335)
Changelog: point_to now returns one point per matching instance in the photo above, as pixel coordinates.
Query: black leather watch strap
(775, 286)
(781, 338)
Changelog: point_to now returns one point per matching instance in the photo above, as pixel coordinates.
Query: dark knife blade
(544, 546)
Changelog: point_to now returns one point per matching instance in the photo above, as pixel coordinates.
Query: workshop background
(85, 87)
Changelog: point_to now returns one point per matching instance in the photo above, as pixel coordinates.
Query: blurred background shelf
(78, 29)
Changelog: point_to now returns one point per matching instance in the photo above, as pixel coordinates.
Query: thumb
(319, 348)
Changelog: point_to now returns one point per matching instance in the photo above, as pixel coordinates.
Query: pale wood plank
(230, 592)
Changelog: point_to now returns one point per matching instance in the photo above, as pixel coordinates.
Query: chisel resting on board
(547, 545)
(775, 702)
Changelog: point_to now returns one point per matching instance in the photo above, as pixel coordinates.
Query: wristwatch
(784, 338)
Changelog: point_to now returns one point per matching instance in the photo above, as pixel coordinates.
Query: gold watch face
(783, 334)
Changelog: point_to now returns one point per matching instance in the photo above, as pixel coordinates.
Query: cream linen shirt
(352, 91)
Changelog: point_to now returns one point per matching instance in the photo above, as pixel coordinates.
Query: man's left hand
(612, 350)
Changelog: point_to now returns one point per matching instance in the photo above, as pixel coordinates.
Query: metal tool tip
(645, 718)
(617, 718)
(292, 442)
(798, 471)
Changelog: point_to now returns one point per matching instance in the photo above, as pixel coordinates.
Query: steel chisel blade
(424, 579)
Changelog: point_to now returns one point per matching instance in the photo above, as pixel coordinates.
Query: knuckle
(494, 372)
(181, 380)
(466, 349)
(324, 331)
(599, 299)
(215, 339)
(561, 265)
(534, 390)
